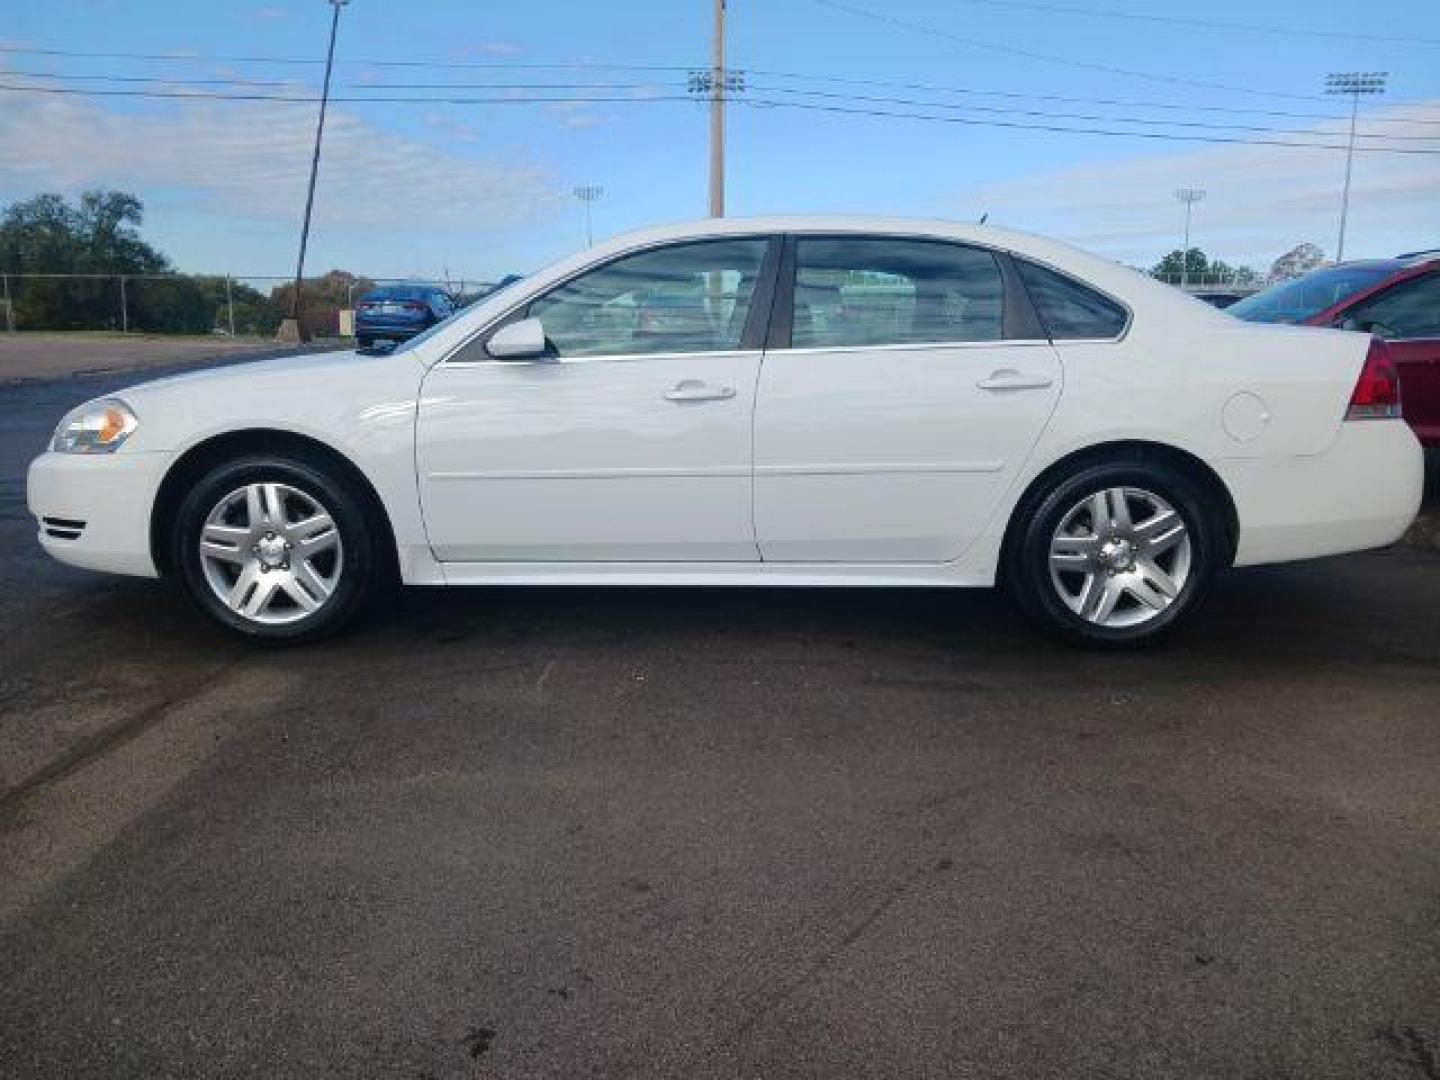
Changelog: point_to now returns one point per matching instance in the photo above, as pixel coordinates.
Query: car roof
(419, 287)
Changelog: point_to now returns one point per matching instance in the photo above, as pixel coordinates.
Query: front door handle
(1010, 379)
(695, 390)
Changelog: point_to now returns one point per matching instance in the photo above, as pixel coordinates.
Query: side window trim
(1019, 319)
(782, 310)
(472, 349)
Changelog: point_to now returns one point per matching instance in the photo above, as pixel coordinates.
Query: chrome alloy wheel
(1120, 557)
(271, 553)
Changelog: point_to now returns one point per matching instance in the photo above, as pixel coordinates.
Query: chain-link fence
(1240, 281)
(229, 304)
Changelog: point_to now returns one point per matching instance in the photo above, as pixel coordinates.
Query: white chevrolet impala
(781, 401)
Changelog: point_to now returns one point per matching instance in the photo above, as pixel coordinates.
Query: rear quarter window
(1070, 311)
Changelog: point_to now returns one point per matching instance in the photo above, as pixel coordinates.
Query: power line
(1207, 24)
(754, 102)
(1012, 50)
(1014, 125)
(193, 57)
(310, 99)
(284, 84)
(213, 58)
(609, 85)
(238, 81)
(1198, 124)
(850, 9)
(1126, 102)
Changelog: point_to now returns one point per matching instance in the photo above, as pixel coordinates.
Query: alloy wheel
(271, 553)
(1120, 557)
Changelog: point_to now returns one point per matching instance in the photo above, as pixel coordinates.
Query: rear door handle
(695, 390)
(1010, 379)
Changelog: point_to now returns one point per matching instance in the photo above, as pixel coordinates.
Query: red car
(1395, 299)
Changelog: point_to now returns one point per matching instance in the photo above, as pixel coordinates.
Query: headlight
(97, 427)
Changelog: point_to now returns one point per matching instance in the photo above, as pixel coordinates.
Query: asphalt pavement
(564, 833)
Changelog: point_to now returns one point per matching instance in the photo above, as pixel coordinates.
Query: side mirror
(523, 340)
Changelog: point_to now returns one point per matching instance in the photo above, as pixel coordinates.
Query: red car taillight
(1377, 391)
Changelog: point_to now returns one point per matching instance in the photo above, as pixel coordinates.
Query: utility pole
(314, 169)
(1188, 196)
(1353, 83)
(717, 116)
(718, 85)
(587, 194)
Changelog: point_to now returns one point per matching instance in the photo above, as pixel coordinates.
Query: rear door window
(1070, 311)
(853, 291)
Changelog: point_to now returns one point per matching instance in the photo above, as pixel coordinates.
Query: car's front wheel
(1116, 553)
(277, 548)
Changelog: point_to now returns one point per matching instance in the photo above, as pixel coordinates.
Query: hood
(302, 366)
(336, 397)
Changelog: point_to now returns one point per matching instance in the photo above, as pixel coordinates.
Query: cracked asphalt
(554, 833)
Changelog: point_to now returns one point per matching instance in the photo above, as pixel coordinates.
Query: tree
(323, 297)
(97, 235)
(1195, 263)
(1222, 272)
(1300, 259)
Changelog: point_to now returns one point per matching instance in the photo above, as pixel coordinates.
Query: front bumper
(93, 510)
(1363, 492)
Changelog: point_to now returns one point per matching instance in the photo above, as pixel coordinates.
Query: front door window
(687, 298)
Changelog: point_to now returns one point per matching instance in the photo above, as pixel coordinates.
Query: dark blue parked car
(398, 312)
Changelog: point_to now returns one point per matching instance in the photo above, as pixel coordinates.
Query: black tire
(1026, 569)
(363, 343)
(357, 559)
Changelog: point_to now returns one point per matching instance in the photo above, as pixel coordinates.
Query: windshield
(1298, 300)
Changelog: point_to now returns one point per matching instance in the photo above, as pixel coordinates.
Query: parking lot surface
(573, 832)
(39, 355)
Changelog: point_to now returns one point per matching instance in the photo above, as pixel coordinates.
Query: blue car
(397, 312)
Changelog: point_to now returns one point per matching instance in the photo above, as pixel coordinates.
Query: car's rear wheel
(277, 548)
(363, 342)
(1116, 553)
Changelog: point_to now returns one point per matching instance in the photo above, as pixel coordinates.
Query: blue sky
(480, 190)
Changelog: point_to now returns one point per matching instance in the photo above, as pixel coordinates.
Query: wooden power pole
(717, 116)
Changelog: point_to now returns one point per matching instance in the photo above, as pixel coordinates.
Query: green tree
(1195, 263)
(1234, 275)
(322, 298)
(97, 235)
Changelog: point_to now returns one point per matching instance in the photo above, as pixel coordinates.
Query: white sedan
(781, 401)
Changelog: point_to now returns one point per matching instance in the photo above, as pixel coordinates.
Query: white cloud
(575, 114)
(491, 48)
(1261, 200)
(252, 161)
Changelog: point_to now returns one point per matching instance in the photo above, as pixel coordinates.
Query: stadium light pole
(314, 168)
(587, 194)
(1189, 196)
(1353, 83)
